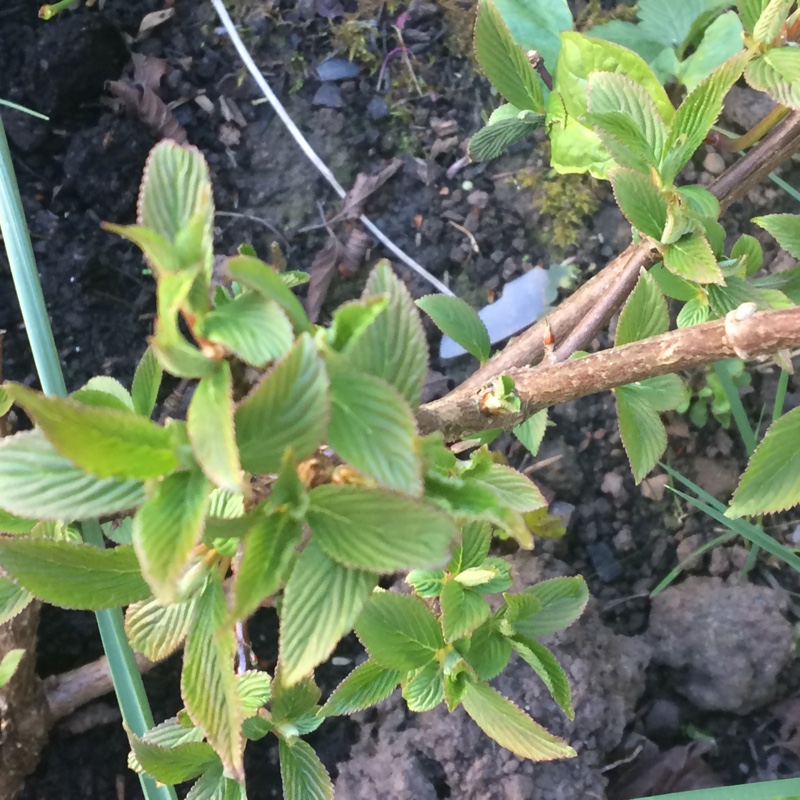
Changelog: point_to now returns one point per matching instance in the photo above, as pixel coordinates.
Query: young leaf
(691, 257)
(776, 73)
(463, 610)
(458, 321)
(394, 347)
(698, 112)
(426, 582)
(749, 248)
(294, 703)
(750, 11)
(9, 663)
(13, 599)
(771, 21)
(104, 442)
(645, 313)
(167, 528)
(73, 575)
(784, 227)
(511, 727)
(254, 689)
(641, 429)
(699, 202)
(640, 201)
(209, 424)
(665, 392)
(260, 277)
(536, 26)
(514, 490)
(504, 62)
(424, 691)
(208, 685)
(213, 785)
(562, 601)
(373, 429)
(146, 383)
(399, 632)
(545, 665)
(476, 538)
(10, 523)
(721, 40)
(104, 392)
(531, 432)
(321, 602)
(252, 327)
(489, 651)
(158, 631)
(268, 551)
(771, 481)
(367, 685)
(377, 530)
(695, 312)
(302, 773)
(289, 408)
(492, 140)
(170, 765)
(352, 319)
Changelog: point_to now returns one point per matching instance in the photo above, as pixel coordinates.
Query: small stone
(686, 549)
(623, 541)
(604, 562)
(714, 163)
(612, 484)
(478, 199)
(328, 95)
(719, 564)
(377, 109)
(663, 720)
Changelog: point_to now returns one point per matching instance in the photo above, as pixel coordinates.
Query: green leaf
(10, 523)
(698, 112)
(104, 442)
(771, 481)
(672, 285)
(9, 664)
(456, 319)
(394, 347)
(73, 575)
(321, 602)
(545, 525)
(424, 690)
(514, 490)
(377, 530)
(562, 601)
(158, 631)
(209, 424)
(263, 279)
(531, 432)
(629, 123)
(13, 599)
(504, 62)
(749, 248)
(175, 198)
(352, 319)
(476, 538)
(158, 251)
(511, 727)
(641, 429)
(293, 703)
(302, 773)
(695, 312)
(374, 430)
(170, 764)
(699, 202)
(545, 665)
(208, 684)
(691, 258)
(250, 326)
(289, 408)
(463, 610)
(645, 312)
(426, 582)
(399, 632)
(721, 40)
(294, 277)
(574, 148)
(785, 228)
(489, 651)
(254, 689)
(776, 73)
(367, 685)
(771, 20)
(750, 11)
(167, 528)
(492, 140)
(146, 383)
(213, 785)
(640, 201)
(477, 576)
(104, 392)
(268, 552)
(664, 392)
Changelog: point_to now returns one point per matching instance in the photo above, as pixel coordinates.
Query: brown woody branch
(739, 334)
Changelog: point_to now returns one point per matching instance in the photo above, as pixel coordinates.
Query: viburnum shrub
(305, 468)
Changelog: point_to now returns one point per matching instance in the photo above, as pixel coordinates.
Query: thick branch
(760, 334)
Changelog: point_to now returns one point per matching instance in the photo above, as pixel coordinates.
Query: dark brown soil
(84, 166)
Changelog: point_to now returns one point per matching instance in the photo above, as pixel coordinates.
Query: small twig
(757, 132)
(469, 234)
(302, 142)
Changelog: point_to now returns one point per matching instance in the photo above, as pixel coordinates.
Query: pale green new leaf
(692, 258)
(377, 530)
(254, 688)
(695, 312)
(664, 392)
(213, 785)
(302, 773)
(545, 665)
(645, 312)
(514, 490)
(167, 528)
(289, 408)
(561, 602)
(9, 663)
(641, 430)
(105, 442)
(104, 392)
(399, 632)
(146, 383)
(73, 575)
(640, 201)
(785, 228)
(426, 582)
(10, 523)
(394, 347)
(367, 685)
(771, 481)
(321, 602)
(158, 631)
(504, 61)
(423, 691)
(471, 551)
(777, 73)
(351, 320)
(771, 21)
(750, 11)
(13, 599)
(170, 764)
(492, 140)
(457, 320)
(511, 727)
(463, 610)
(250, 326)
(749, 248)
(374, 430)
(531, 432)
(208, 684)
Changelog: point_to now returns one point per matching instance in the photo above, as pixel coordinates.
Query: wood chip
(153, 20)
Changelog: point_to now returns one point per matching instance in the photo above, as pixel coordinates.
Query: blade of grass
(124, 673)
(722, 369)
(767, 790)
(23, 109)
(780, 394)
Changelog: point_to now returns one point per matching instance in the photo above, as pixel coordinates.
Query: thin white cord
(254, 71)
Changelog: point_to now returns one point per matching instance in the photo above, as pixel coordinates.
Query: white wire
(276, 104)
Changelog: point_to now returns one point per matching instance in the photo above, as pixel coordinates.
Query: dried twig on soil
(760, 334)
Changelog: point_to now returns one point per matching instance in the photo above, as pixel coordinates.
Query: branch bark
(739, 334)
